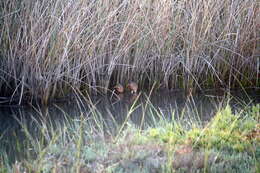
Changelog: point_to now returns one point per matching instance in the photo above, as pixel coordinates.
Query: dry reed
(51, 47)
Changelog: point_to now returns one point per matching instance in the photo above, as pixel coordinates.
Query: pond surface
(168, 104)
(114, 110)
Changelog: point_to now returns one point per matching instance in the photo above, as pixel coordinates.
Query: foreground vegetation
(229, 142)
(50, 48)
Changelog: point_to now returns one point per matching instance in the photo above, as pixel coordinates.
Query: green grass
(50, 48)
(229, 142)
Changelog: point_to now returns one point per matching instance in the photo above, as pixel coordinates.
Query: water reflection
(115, 109)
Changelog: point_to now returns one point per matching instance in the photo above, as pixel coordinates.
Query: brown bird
(119, 88)
(133, 87)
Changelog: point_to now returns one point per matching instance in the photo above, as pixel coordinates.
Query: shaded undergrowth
(50, 48)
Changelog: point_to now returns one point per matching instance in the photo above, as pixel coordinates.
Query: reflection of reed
(164, 102)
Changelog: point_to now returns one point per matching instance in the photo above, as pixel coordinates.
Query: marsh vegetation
(122, 53)
(228, 142)
(50, 48)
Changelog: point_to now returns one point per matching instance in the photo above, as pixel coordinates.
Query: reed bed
(50, 48)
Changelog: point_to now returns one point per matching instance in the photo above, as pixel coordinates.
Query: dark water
(199, 106)
(114, 110)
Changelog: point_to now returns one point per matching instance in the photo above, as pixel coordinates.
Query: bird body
(119, 88)
(133, 87)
